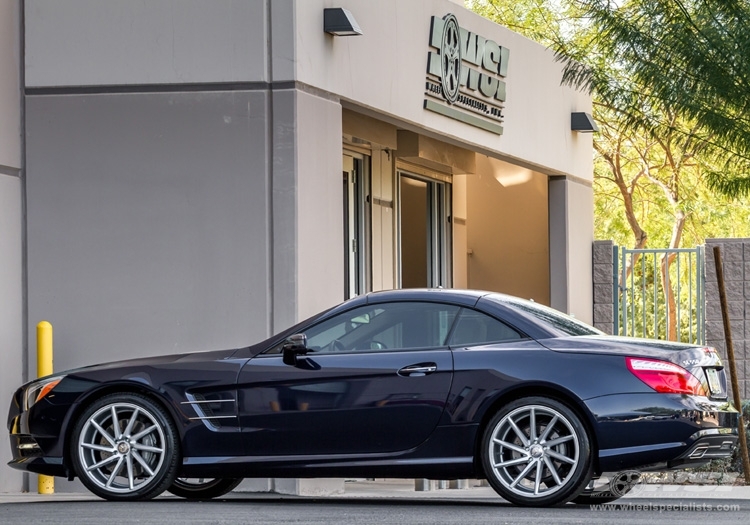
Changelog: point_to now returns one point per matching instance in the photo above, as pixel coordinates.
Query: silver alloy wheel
(534, 451)
(121, 447)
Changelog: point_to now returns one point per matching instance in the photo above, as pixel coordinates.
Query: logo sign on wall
(465, 76)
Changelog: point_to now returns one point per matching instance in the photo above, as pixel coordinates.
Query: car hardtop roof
(451, 295)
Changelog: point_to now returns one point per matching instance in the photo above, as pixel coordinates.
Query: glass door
(356, 225)
(424, 222)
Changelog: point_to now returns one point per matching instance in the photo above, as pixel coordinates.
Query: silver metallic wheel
(124, 448)
(450, 52)
(536, 453)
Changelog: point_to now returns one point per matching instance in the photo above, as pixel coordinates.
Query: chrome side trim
(208, 401)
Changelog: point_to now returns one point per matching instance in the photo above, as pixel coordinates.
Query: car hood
(683, 354)
(145, 362)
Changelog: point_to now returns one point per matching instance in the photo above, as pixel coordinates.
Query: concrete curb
(404, 490)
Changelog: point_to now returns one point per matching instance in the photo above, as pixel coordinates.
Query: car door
(376, 379)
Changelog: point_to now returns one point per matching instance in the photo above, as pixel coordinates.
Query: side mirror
(295, 345)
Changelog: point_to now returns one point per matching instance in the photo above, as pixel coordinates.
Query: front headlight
(38, 390)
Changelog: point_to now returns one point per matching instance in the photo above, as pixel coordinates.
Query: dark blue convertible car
(441, 384)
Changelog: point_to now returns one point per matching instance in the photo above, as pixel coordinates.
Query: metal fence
(661, 293)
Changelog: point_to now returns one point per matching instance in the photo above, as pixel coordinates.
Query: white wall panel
(147, 222)
(11, 308)
(95, 42)
(10, 91)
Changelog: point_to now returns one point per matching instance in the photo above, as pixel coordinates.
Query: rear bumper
(708, 445)
(661, 431)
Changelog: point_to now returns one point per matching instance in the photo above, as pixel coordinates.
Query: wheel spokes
(560, 457)
(115, 423)
(552, 470)
(131, 423)
(547, 430)
(558, 441)
(100, 448)
(104, 433)
(519, 433)
(534, 451)
(538, 479)
(511, 446)
(143, 433)
(105, 461)
(121, 447)
(511, 462)
(532, 425)
(523, 474)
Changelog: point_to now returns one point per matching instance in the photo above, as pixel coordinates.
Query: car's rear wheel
(536, 452)
(203, 488)
(124, 447)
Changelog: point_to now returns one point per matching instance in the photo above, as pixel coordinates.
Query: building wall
(11, 312)
(120, 42)
(507, 228)
(11, 191)
(145, 213)
(384, 71)
(571, 232)
(320, 265)
(158, 42)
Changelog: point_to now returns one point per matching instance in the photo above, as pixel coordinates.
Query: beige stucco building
(202, 174)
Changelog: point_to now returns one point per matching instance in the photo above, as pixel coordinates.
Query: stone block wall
(604, 311)
(735, 257)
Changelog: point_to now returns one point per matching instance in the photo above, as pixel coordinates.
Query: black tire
(536, 452)
(124, 447)
(199, 488)
(619, 484)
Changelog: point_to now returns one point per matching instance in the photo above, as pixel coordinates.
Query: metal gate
(661, 294)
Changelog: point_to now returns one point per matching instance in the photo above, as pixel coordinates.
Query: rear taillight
(664, 376)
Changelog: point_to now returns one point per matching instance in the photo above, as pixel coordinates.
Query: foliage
(688, 57)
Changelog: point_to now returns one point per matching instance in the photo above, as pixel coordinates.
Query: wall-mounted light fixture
(582, 123)
(340, 22)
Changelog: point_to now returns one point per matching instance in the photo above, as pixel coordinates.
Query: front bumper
(36, 436)
(27, 456)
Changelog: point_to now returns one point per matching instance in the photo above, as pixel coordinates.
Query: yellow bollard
(44, 367)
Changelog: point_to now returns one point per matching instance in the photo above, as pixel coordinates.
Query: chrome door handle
(422, 369)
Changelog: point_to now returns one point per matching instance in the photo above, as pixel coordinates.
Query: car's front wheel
(203, 488)
(124, 447)
(536, 452)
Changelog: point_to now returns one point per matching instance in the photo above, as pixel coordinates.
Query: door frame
(440, 241)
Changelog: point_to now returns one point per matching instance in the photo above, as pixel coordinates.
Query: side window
(388, 326)
(476, 328)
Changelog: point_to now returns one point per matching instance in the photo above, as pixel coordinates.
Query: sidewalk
(404, 490)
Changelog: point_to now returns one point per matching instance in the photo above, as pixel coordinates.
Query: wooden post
(732, 364)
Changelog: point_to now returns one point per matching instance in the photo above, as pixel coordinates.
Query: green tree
(693, 56)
